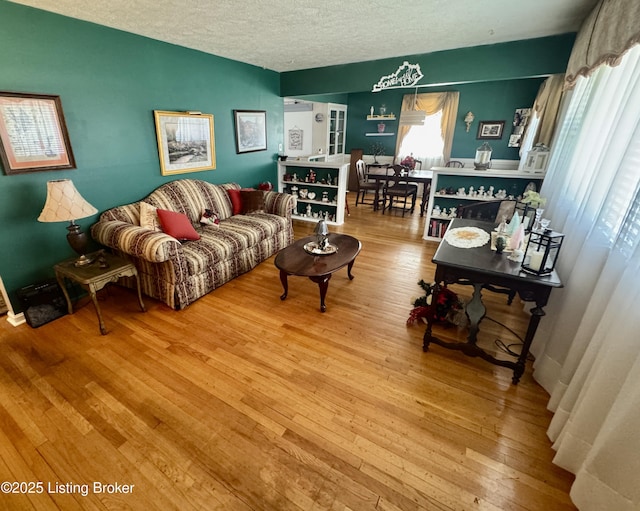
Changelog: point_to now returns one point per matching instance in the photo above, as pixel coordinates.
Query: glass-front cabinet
(336, 127)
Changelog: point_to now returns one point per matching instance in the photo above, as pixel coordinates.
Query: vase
(536, 221)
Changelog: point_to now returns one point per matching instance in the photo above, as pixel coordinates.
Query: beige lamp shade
(64, 203)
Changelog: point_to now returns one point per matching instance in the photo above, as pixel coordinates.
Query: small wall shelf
(390, 117)
(385, 134)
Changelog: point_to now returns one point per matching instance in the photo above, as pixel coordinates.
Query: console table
(483, 268)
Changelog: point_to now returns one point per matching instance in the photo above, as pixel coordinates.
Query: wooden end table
(295, 260)
(94, 276)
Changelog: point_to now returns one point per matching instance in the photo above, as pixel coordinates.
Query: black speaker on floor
(42, 302)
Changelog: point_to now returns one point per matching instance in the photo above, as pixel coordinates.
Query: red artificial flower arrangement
(448, 306)
(409, 162)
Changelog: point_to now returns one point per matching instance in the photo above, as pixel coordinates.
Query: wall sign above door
(407, 75)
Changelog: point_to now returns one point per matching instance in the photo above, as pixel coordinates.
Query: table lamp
(64, 203)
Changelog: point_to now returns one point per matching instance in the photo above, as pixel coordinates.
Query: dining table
(381, 174)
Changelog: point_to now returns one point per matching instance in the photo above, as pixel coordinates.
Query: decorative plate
(467, 237)
(313, 248)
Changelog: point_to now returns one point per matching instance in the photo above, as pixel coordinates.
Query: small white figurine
(436, 211)
(452, 212)
(309, 210)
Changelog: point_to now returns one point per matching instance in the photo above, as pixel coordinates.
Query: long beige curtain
(546, 107)
(431, 103)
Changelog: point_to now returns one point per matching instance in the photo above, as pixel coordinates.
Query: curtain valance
(606, 34)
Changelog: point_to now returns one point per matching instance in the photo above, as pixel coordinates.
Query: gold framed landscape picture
(185, 142)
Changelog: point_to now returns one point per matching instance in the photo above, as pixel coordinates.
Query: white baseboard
(16, 319)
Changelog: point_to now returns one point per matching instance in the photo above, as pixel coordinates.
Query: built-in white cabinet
(320, 189)
(336, 129)
(451, 187)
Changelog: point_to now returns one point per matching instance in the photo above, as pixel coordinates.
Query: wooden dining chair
(397, 190)
(454, 164)
(364, 185)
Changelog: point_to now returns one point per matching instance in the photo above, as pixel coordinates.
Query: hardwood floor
(246, 402)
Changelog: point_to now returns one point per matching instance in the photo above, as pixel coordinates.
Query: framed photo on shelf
(185, 142)
(33, 133)
(490, 130)
(251, 130)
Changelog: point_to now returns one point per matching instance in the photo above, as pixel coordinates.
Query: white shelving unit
(513, 181)
(331, 177)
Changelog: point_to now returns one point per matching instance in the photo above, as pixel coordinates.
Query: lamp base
(78, 241)
(83, 260)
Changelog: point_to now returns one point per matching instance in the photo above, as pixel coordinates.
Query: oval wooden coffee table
(295, 260)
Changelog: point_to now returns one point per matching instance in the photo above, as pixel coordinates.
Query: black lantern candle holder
(542, 252)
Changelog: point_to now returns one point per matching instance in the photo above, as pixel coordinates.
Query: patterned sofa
(180, 273)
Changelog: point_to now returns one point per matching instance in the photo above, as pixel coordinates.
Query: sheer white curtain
(425, 142)
(588, 347)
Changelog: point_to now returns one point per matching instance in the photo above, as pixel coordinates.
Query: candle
(536, 260)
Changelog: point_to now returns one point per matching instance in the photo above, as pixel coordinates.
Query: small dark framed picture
(33, 133)
(491, 130)
(251, 130)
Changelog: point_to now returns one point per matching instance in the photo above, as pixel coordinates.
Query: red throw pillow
(236, 201)
(177, 225)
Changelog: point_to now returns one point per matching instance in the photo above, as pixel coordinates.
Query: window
(425, 142)
(431, 142)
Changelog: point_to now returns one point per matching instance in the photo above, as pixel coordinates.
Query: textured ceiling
(285, 35)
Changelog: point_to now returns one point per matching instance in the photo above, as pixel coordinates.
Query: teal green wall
(109, 83)
(489, 101)
(506, 61)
